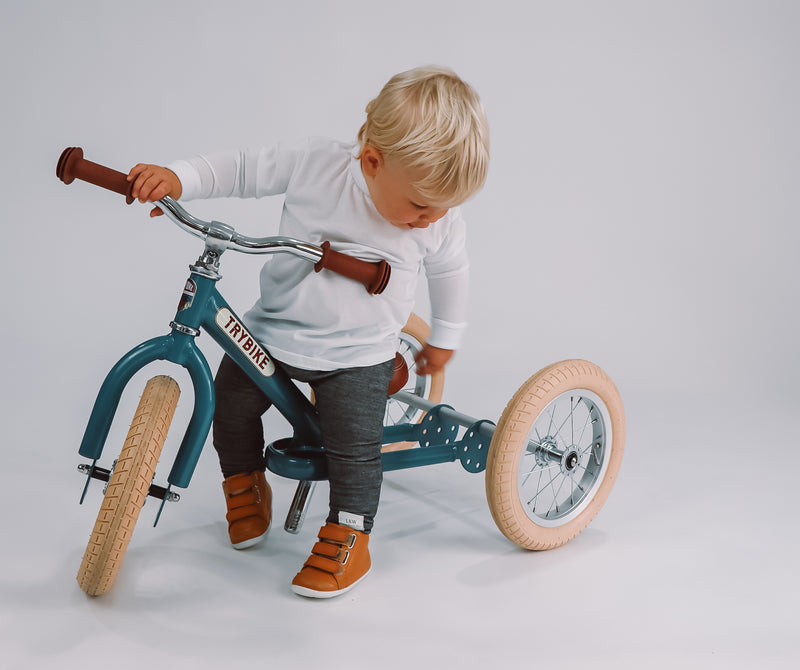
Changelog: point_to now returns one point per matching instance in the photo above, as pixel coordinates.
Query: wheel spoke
(564, 422)
(536, 495)
(552, 416)
(538, 484)
(585, 424)
(540, 468)
(572, 490)
(572, 420)
(577, 483)
(555, 497)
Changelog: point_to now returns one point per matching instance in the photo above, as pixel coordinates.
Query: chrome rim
(563, 463)
(396, 411)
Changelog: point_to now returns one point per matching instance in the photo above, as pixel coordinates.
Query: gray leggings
(351, 403)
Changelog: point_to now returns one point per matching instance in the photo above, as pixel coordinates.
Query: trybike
(550, 462)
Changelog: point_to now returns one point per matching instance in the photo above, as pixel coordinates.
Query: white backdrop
(641, 212)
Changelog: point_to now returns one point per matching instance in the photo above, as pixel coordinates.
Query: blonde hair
(429, 120)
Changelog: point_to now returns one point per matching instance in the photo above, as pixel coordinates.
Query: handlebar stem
(208, 265)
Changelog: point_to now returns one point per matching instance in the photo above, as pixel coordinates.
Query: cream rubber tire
(555, 454)
(430, 387)
(128, 486)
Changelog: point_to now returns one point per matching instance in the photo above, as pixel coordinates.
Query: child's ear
(371, 160)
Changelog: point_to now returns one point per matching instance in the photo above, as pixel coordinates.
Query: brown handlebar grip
(72, 165)
(374, 276)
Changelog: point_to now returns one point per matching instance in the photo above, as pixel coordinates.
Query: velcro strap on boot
(324, 564)
(242, 512)
(326, 549)
(338, 534)
(329, 550)
(241, 499)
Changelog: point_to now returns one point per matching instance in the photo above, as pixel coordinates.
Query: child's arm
(447, 271)
(153, 182)
(448, 319)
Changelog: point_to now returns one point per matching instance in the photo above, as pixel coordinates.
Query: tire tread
(128, 486)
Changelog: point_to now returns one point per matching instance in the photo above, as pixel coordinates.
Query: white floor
(692, 563)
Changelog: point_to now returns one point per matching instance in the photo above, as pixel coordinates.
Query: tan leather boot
(249, 500)
(337, 563)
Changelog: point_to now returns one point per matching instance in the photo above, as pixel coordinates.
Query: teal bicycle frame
(301, 457)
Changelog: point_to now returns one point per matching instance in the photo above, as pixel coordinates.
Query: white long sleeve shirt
(323, 321)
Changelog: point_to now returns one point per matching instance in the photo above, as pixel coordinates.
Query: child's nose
(428, 218)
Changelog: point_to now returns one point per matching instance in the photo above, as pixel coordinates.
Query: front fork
(176, 347)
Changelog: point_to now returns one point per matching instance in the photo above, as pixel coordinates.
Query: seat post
(299, 507)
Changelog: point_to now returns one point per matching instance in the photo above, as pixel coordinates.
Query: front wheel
(555, 454)
(128, 486)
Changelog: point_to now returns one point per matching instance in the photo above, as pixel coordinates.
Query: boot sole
(311, 593)
(245, 544)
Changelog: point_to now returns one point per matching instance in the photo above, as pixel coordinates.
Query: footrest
(473, 447)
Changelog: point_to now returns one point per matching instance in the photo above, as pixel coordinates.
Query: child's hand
(153, 182)
(432, 359)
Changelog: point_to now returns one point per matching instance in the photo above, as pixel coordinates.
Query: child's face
(393, 194)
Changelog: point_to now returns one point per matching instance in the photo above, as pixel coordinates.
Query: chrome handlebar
(220, 236)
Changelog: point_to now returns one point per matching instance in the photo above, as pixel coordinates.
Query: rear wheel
(555, 454)
(128, 486)
(412, 338)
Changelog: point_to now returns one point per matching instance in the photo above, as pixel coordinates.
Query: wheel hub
(548, 452)
(571, 460)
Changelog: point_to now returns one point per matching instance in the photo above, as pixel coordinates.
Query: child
(422, 151)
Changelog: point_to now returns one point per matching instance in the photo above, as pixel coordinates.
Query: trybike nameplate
(238, 334)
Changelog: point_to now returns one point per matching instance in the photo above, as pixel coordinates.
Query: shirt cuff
(191, 186)
(445, 334)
